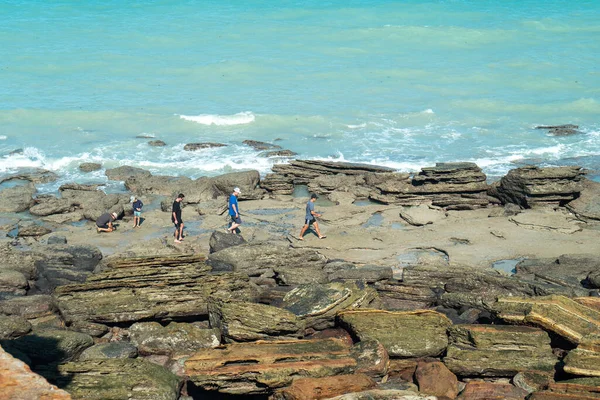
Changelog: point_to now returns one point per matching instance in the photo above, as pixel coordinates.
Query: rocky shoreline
(434, 285)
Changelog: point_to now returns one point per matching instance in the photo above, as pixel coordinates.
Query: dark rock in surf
(89, 167)
(200, 146)
(157, 143)
(257, 145)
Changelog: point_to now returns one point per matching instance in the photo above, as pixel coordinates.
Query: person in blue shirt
(137, 211)
(310, 218)
(234, 211)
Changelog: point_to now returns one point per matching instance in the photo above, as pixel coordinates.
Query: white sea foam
(3, 137)
(363, 125)
(241, 118)
(428, 111)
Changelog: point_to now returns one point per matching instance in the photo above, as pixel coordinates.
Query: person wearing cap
(137, 210)
(176, 218)
(310, 218)
(104, 223)
(234, 211)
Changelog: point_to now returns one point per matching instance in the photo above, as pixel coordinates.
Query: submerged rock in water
(199, 146)
(89, 167)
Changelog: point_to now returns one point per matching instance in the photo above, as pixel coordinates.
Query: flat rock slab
(173, 339)
(404, 334)
(243, 321)
(260, 367)
(479, 390)
(323, 388)
(572, 389)
(558, 314)
(384, 394)
(421, 215)
(113, 379)
(547, 220)
(158, 289)
(17, 382)
(318, 305)
(498, 350)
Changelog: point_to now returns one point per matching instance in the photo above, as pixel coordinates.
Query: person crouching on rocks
(104, 223)
(310, 218)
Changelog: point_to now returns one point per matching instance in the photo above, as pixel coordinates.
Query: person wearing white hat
(104, 223)
(234, 211)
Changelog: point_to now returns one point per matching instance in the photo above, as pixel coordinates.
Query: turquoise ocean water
(404, 84)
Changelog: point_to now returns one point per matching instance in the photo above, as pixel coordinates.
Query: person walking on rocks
(137, 211)
(104, 223)
(234, 211)
(310, 218)
(176, 218)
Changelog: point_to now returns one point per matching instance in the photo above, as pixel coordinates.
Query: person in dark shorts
(176, 218)
(104, 223)
(234, 211)
(137, 211)
(310, 218)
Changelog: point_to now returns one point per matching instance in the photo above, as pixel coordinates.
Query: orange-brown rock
(434, 378)
(323, 388)
(573, 389)
(403, 368)
(559, 314)
(479, 390)
(591, 302)
(17, 382)
(260, 367)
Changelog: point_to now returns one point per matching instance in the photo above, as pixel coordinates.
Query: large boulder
(115, 378)
(125, 171)
(109, 350)
(247, 181)
(174, 339)
(52, 205)
(528, 186)
(33, 175)
(243, 321)
(13, 326)
(283, 264)
(48, 346)
(221, 240)
(66, 264)
(142, 288)
(586, 206)
(585, 359)
(12, 283)
(568, 269)
(498, 350)
(17, 199)
(17, 382)
(434, 378)
(318, 304)
(404, 334)
(29, 307)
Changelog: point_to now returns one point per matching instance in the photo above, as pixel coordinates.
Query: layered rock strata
(480, 350)
(144, 288)
(260, 367)
(423, 332)
(558, 314)
(530, 186)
